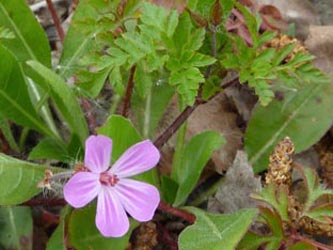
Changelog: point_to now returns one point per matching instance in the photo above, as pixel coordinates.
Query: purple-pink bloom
(116, 193)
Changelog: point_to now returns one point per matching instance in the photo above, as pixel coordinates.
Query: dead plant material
(280, 163)
(282, 40)
(314, 227)
(146, 237)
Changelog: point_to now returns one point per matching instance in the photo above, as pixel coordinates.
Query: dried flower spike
(280, 161)
(116, 193)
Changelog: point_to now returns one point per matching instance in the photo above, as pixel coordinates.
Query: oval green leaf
(215, 231)
(304, 117)
(19, 179)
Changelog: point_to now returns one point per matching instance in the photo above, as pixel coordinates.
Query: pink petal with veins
(82, 188)
(98, 153)
(137, 159)
(139, 199)
(111, 218)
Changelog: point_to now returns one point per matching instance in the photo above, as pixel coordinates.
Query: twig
(176, 212)
(56, 20)
(182, 117)
(129, 91)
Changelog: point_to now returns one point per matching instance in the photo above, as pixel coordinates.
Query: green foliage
(6, 33)
(284, 218)
(15, 228)
(265, 69)
(19, 179)
(215, 231)
(304, 116)
(63, 96)
(194, 158)
(84, 235)
(15, 101)
(29, 41)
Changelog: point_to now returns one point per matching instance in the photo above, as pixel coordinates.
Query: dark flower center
(108, 179)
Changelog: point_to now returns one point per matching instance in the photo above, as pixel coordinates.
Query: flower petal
(81, 189)
(111, 218)
(98, 153)
(139, 199)
(137, 159)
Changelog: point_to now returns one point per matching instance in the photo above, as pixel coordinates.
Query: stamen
(108, 180)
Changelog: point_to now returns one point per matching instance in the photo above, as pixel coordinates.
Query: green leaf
(276, 197)
(250, 21)
(147, 110)
(30, 42)
(122, 132)
(168, 189)
(214, 232)
(93, 82)
(49, 149)
(315, 191)
(56, 241)
(84, 235)
(123, 135)
(16, 228)
(308, 110)
(77, 42)
(302, 245)
(19, 179)
(58, 238)
(64, 98)
(6, 130)
(252, 241)
(6, 33)
(321, 213)
(194, 158)
(15, 102)
(274, 222)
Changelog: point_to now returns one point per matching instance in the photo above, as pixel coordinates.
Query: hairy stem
(129, 91)
(56, 20)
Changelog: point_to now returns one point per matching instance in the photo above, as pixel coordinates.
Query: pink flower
(116, 194)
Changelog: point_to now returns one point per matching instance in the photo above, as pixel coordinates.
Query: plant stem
(44, 202)
(182, 117)
(92, 123)
(56, 20)
(129, 91)
(176, 212)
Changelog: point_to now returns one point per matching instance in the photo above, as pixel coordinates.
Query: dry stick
(182, 117)
(129, 91)
(56, 20)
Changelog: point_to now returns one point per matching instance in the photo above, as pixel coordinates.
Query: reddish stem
(92, 123)
(182, 117)
(44, 201)
(56, 20)
(129, 91)
(176, 212)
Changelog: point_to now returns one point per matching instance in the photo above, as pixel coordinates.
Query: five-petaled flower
(116, 194)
